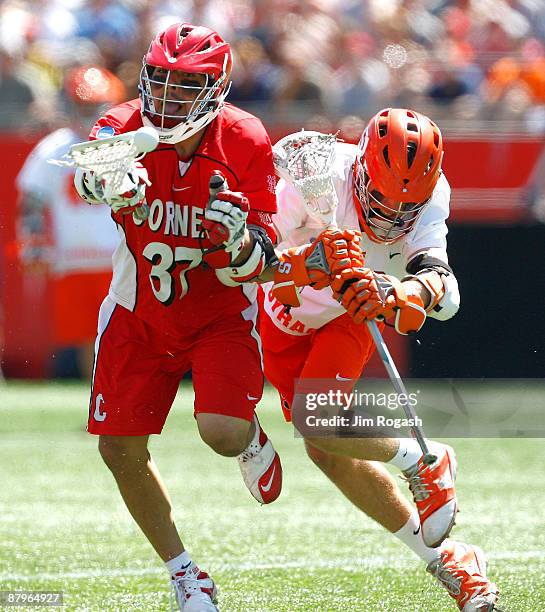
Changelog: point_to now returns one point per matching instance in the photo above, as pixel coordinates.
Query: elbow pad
(437, 277)
(449, 304)
(443, 288)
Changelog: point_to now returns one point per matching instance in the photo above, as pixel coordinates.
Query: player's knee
(224, 435)
(118, 453)
(325, 445)
(318, 456)
(225, 444)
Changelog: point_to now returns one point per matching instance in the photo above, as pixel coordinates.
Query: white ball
(146, 139)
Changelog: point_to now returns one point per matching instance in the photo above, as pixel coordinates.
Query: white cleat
(434, 494)
(261, 468)
(195, 591)
(461, 569)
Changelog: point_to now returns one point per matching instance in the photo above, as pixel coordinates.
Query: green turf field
(63, 525)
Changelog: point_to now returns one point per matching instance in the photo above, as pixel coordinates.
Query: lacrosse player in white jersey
(390, 186)
(59, 232)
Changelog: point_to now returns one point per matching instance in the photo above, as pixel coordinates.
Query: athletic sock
(408, 454)
(254, 444)
(411, 535)
(179, 563)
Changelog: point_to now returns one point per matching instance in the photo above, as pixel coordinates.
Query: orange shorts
(337, 352)
(76, 300)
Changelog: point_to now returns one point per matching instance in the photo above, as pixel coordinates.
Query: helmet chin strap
(184, 130)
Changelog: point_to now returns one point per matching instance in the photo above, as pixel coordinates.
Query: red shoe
(261, 468)
(433, 492)
(461, 569)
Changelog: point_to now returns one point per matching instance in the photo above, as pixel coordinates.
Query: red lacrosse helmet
(396, 172)
(93, 85)
(184, 80)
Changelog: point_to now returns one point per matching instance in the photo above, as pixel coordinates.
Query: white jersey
(295, 227)
(84, 237)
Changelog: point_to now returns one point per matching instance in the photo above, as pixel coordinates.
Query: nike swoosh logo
(392, 255)
(341, 378)
(266, 488)
(417, 531)
(424, 510)
(180, 188)
(251, 398)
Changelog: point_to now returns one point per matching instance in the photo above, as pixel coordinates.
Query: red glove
(367, 295)
(315, 264)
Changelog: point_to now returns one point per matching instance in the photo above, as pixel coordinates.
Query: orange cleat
(433, 492)
(461, 569)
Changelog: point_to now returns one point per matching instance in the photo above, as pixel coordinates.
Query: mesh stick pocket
(305, 160)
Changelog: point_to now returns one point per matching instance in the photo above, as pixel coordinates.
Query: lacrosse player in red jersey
(390, 186)
(182, 295)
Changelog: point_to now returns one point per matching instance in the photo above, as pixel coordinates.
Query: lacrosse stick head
(111, 158)
(184, 80)
(396, 171)
(305, 160)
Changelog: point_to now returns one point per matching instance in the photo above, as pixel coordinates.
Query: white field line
(351, 565)
(348, 564)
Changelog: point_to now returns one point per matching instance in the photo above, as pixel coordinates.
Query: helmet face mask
(184, 81)
(396, 172)
(384, 220)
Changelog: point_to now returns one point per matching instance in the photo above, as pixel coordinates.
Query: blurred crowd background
(314, 60)
(477, 67)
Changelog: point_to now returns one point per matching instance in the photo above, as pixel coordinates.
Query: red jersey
(158, 271)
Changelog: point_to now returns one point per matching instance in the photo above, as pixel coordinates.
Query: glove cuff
(246, 272)
(411, 317)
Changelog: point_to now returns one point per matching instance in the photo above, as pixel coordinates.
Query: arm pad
(438, 278)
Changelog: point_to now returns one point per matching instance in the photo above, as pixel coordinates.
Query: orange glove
(367, 295)
(355, 254)
(315, 264)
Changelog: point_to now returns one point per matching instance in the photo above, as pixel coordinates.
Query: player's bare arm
(430, 288)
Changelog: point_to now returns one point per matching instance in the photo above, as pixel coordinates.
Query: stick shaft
(397, 383)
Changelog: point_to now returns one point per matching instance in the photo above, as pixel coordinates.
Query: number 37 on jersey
(167, 265)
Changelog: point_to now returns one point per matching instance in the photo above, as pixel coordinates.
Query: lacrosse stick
(111, 158)
(305, 160)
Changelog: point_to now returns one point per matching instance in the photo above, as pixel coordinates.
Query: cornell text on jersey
(173, 219)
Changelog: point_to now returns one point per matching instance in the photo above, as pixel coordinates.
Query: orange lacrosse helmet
(86, 85)
(396, 172)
